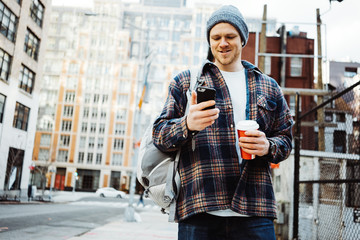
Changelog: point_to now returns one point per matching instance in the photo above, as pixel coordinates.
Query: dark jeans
(209, 227)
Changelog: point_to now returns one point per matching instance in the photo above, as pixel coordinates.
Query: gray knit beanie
(232, 15)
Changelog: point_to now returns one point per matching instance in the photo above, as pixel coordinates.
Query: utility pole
(320, 112)
(283, 39)
(262, 48)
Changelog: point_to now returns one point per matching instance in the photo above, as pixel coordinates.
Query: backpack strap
(194, 78)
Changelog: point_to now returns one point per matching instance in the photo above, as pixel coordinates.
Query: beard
(228, 60)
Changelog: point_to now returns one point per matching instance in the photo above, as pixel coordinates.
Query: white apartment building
(97, 62)
(87, 99)
(22, 40)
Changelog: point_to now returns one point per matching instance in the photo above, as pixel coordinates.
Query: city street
(58, 220)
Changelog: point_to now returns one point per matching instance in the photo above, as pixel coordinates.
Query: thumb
(193, 98)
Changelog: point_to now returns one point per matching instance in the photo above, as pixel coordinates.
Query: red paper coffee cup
(242, 127)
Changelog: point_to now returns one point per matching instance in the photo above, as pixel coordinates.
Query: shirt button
(230, 106)
(231, 125)
(184, 136)
(174, 145)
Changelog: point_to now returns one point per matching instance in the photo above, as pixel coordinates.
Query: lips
(225, 53)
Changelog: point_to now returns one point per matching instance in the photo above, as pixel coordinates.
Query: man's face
(225, 44)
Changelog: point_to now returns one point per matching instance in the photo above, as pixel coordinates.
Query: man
(223, 196)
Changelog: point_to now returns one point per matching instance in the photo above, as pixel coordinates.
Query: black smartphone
(205, 94)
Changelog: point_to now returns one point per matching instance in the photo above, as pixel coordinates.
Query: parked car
(110, 192)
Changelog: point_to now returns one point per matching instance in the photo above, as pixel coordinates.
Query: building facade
(22, 43)
(87, 100)
(346, 109)
(97, 62)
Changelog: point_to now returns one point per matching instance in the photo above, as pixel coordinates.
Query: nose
(223, 42)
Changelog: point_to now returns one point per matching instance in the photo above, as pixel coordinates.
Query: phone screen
(205, 94)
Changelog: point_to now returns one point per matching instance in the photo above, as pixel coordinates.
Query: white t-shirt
(236, 83)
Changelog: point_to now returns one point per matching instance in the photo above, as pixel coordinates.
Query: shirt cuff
(186, 132)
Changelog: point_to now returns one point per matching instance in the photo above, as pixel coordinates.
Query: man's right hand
(197, 118)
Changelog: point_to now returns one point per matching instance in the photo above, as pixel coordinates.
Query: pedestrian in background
(141, 199)
(223, 196)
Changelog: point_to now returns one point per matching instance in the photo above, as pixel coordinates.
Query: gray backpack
(157, 171)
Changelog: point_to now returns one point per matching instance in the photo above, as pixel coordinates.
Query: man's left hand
(255, 143)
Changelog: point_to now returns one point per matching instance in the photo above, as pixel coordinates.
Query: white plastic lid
(247, 125)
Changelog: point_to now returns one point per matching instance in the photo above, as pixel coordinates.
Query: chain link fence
(327, 170)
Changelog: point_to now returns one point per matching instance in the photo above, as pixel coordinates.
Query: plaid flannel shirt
(211, 176)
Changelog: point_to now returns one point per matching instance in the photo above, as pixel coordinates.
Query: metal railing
(327, 198)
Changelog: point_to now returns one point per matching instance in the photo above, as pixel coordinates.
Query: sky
(341, 30)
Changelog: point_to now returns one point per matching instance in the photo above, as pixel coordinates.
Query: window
(74, 68)
(105, 98)
(120, 129)
(103, 114)
(121, 114)
(296, 67)
(21, 117)
(122, 100)
(45, 124)
(116, 159)
(328, 116)
(82, 142)
(96, 98)
(81, 157)
(267, 65)
(352, 189)
(329, 170)
(8, 22)
(86, 112)
(118, 144)
(100, 143)
(124, 86)
(66, 126)
(93, 127)
(84, 127)
(340, 117)
(64, 140)
(87, 98)
(5, 62)
(339, 140)
(101, 128)
(90, 158)
(70, 97)
(44, 154)
(350, 72)
(91, 142)
(98, 158)
(32, 45)
(27, 79)
(14, 169)
(68, 111)
(2, 106)
(62, 156)
(37, 12)
(94, 113)
(292, 104)
(71, 82)
(45, 140)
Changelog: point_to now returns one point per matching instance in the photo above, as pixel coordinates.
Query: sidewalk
(153, 226)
